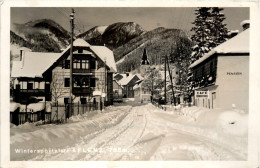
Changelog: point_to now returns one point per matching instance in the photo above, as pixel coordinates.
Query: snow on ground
(135, 131)
(226, 129)
(29, 136)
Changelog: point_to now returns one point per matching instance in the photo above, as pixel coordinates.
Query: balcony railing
(90, 71)
(83, 90)
(34, 92)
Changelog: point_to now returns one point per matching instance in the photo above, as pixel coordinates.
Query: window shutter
(93, 64)
(92, 82)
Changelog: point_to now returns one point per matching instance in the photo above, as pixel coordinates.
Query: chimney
(127, 74)
(22, 54)
(245, 24)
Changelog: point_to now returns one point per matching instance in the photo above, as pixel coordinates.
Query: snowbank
(56, 136)
(35, 107)
(227, 128)
(233, 123)
(14, 106)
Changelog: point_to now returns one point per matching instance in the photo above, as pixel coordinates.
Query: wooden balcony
(34, 92)
(82, 90)
(85, 71)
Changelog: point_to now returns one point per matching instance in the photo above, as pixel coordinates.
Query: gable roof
(125, 81)
(80, 43)
(237, 44)
(33, 64)
(36, 63)
(106, 55)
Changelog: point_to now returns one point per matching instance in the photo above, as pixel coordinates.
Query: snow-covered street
(132, 131)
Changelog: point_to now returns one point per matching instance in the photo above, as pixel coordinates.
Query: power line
(77, 19)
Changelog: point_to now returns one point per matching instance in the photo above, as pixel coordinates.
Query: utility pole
(165, 79)
(71, 56)
(170, 74)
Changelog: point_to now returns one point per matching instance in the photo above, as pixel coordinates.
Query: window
(93, 64)
(29, 86)
(92, 82)
(85, 82)
(80, 50)
(85, 64)
(83, 100)
(66, 100)
(76, 64)
(67, 64)
(66, 82)
(76, 82)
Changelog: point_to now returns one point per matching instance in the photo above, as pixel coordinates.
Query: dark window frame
(66, 82)
(29, 85)
(67, 64)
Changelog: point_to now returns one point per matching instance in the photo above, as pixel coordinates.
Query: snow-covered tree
(218, 28)
(209, 31)
(202, 33)
(152, 79)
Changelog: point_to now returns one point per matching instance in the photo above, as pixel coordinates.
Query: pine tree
(201, 36)
(209, 31)
(219, 30)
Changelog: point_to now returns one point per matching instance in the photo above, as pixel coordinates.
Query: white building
(224, 74)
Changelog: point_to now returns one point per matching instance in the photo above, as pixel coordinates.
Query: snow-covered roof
(118, 84)
(36, 63)
(80, 43)
(237, 44)
(125, 81)
(33, 64)
(106, 55)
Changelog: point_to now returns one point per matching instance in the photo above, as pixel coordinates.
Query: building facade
(224, 74)
(92, 70)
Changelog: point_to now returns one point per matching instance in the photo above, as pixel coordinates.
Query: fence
(57, 113)
(60, 112)
(19, 118)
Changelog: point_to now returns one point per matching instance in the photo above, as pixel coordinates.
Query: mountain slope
(113, 35)
(158, 43)
(94, 35)
(41, 35)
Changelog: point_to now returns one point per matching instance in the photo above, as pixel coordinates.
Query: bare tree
(57, 86)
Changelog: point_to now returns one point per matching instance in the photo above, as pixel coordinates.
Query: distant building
(127, 81)
(141, 94)
(46, 76)
(117, 91)
(224, 74)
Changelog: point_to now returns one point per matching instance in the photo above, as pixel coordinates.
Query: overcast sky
(148, 18)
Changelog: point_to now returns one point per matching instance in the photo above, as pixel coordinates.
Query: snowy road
(145, 133)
